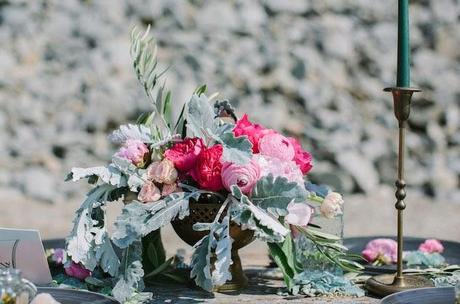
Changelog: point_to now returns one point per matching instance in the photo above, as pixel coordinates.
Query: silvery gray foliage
(200, 116)
(110, 175)
(219, 242)
(237, 150)
(88, 242)
(138, 219)
(323, 283)
(249, 216)
(274, 194)
(134, 174)
(131, 131)
(420, 258)
(131, 273)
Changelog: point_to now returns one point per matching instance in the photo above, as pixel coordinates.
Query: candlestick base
(386, 284)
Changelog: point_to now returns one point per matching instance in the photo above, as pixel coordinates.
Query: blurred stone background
(312, 68)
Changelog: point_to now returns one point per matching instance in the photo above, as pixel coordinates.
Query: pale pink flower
(299, 214)
(332, 205)
(77, 271)
(162, 172)
(168, 189)
(384, 250)
(149, 193)
(431, 246)
(276, 145)
(59, 256)
(133, 150)
(244, 176)
(276, 167)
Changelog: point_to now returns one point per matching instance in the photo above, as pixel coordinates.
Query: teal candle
(403, 75)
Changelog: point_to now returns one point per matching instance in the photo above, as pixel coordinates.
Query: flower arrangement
(163, 164)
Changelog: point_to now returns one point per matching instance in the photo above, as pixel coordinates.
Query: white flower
(299, 214)
(332, 205)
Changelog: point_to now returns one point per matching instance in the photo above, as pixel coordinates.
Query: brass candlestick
(386, 284)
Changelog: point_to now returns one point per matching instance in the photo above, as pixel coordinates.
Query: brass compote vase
(204, 211)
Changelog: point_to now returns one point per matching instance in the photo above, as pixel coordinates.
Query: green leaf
(282, 261)
(130, 273)
(137, 219)
(274, 194)
(200, 116)
(200, 90)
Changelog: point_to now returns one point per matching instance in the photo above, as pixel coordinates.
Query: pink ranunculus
(168, 189)
(276, 145)
(133, 150)
(332, 205)
(208, 169)
(149, 193)
(59, 256)
(302, 158)
(431, 246)
(384, 250)
(299, 214)
(77, 271)
(276, 167)
(184, 154)
(162, 172)
(244, 176)
(254, 132)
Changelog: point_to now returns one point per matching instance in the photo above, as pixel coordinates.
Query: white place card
(23, 249)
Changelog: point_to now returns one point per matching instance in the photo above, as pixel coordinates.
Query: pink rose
(254, 132)
(77, 271)
(244, 176)
(431, 246)
(162, 172)
(149, 193)
(208, 168)
(384, 250)
(302, 158)
(185, 153)
(332, 205)
(276, 145)
(299, 214)
(276, 167)
(133, 150)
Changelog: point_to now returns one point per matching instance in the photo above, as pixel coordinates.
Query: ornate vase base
(239, 280)
(385, 284)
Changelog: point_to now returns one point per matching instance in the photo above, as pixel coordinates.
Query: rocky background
(314, 69)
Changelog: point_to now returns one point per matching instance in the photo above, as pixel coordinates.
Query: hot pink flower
(384, 250)
(185, 153)
(133, 150)
(431, 246)
(244, 176)
(149, 193)
(77, 271)
(276, 145)
(254, 132)
(276, 167)
(208, 168)
(302, 158)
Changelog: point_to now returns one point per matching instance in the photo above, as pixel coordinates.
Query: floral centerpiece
(164, 165)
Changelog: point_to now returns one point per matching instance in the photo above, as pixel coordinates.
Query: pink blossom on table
(149, 193)
(276, 167)
(299, 214)
(332, 205)
(244, 176)
(59, 256)
(162, 172)
(184, 154)
(168, 189)
(254, 132)
(431, 246)
(133, 150)
(302, 158)
(276, 145)
(383, 250)
(77, 271)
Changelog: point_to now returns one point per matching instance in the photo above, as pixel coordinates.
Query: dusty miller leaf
(130, 273)
(223, 251)
(130, 131)
(201, 263)
(200, 116)
(109, 175)
(137, 219)
(424, 259)
(135, 180)
(274, 194)
(235, 149)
